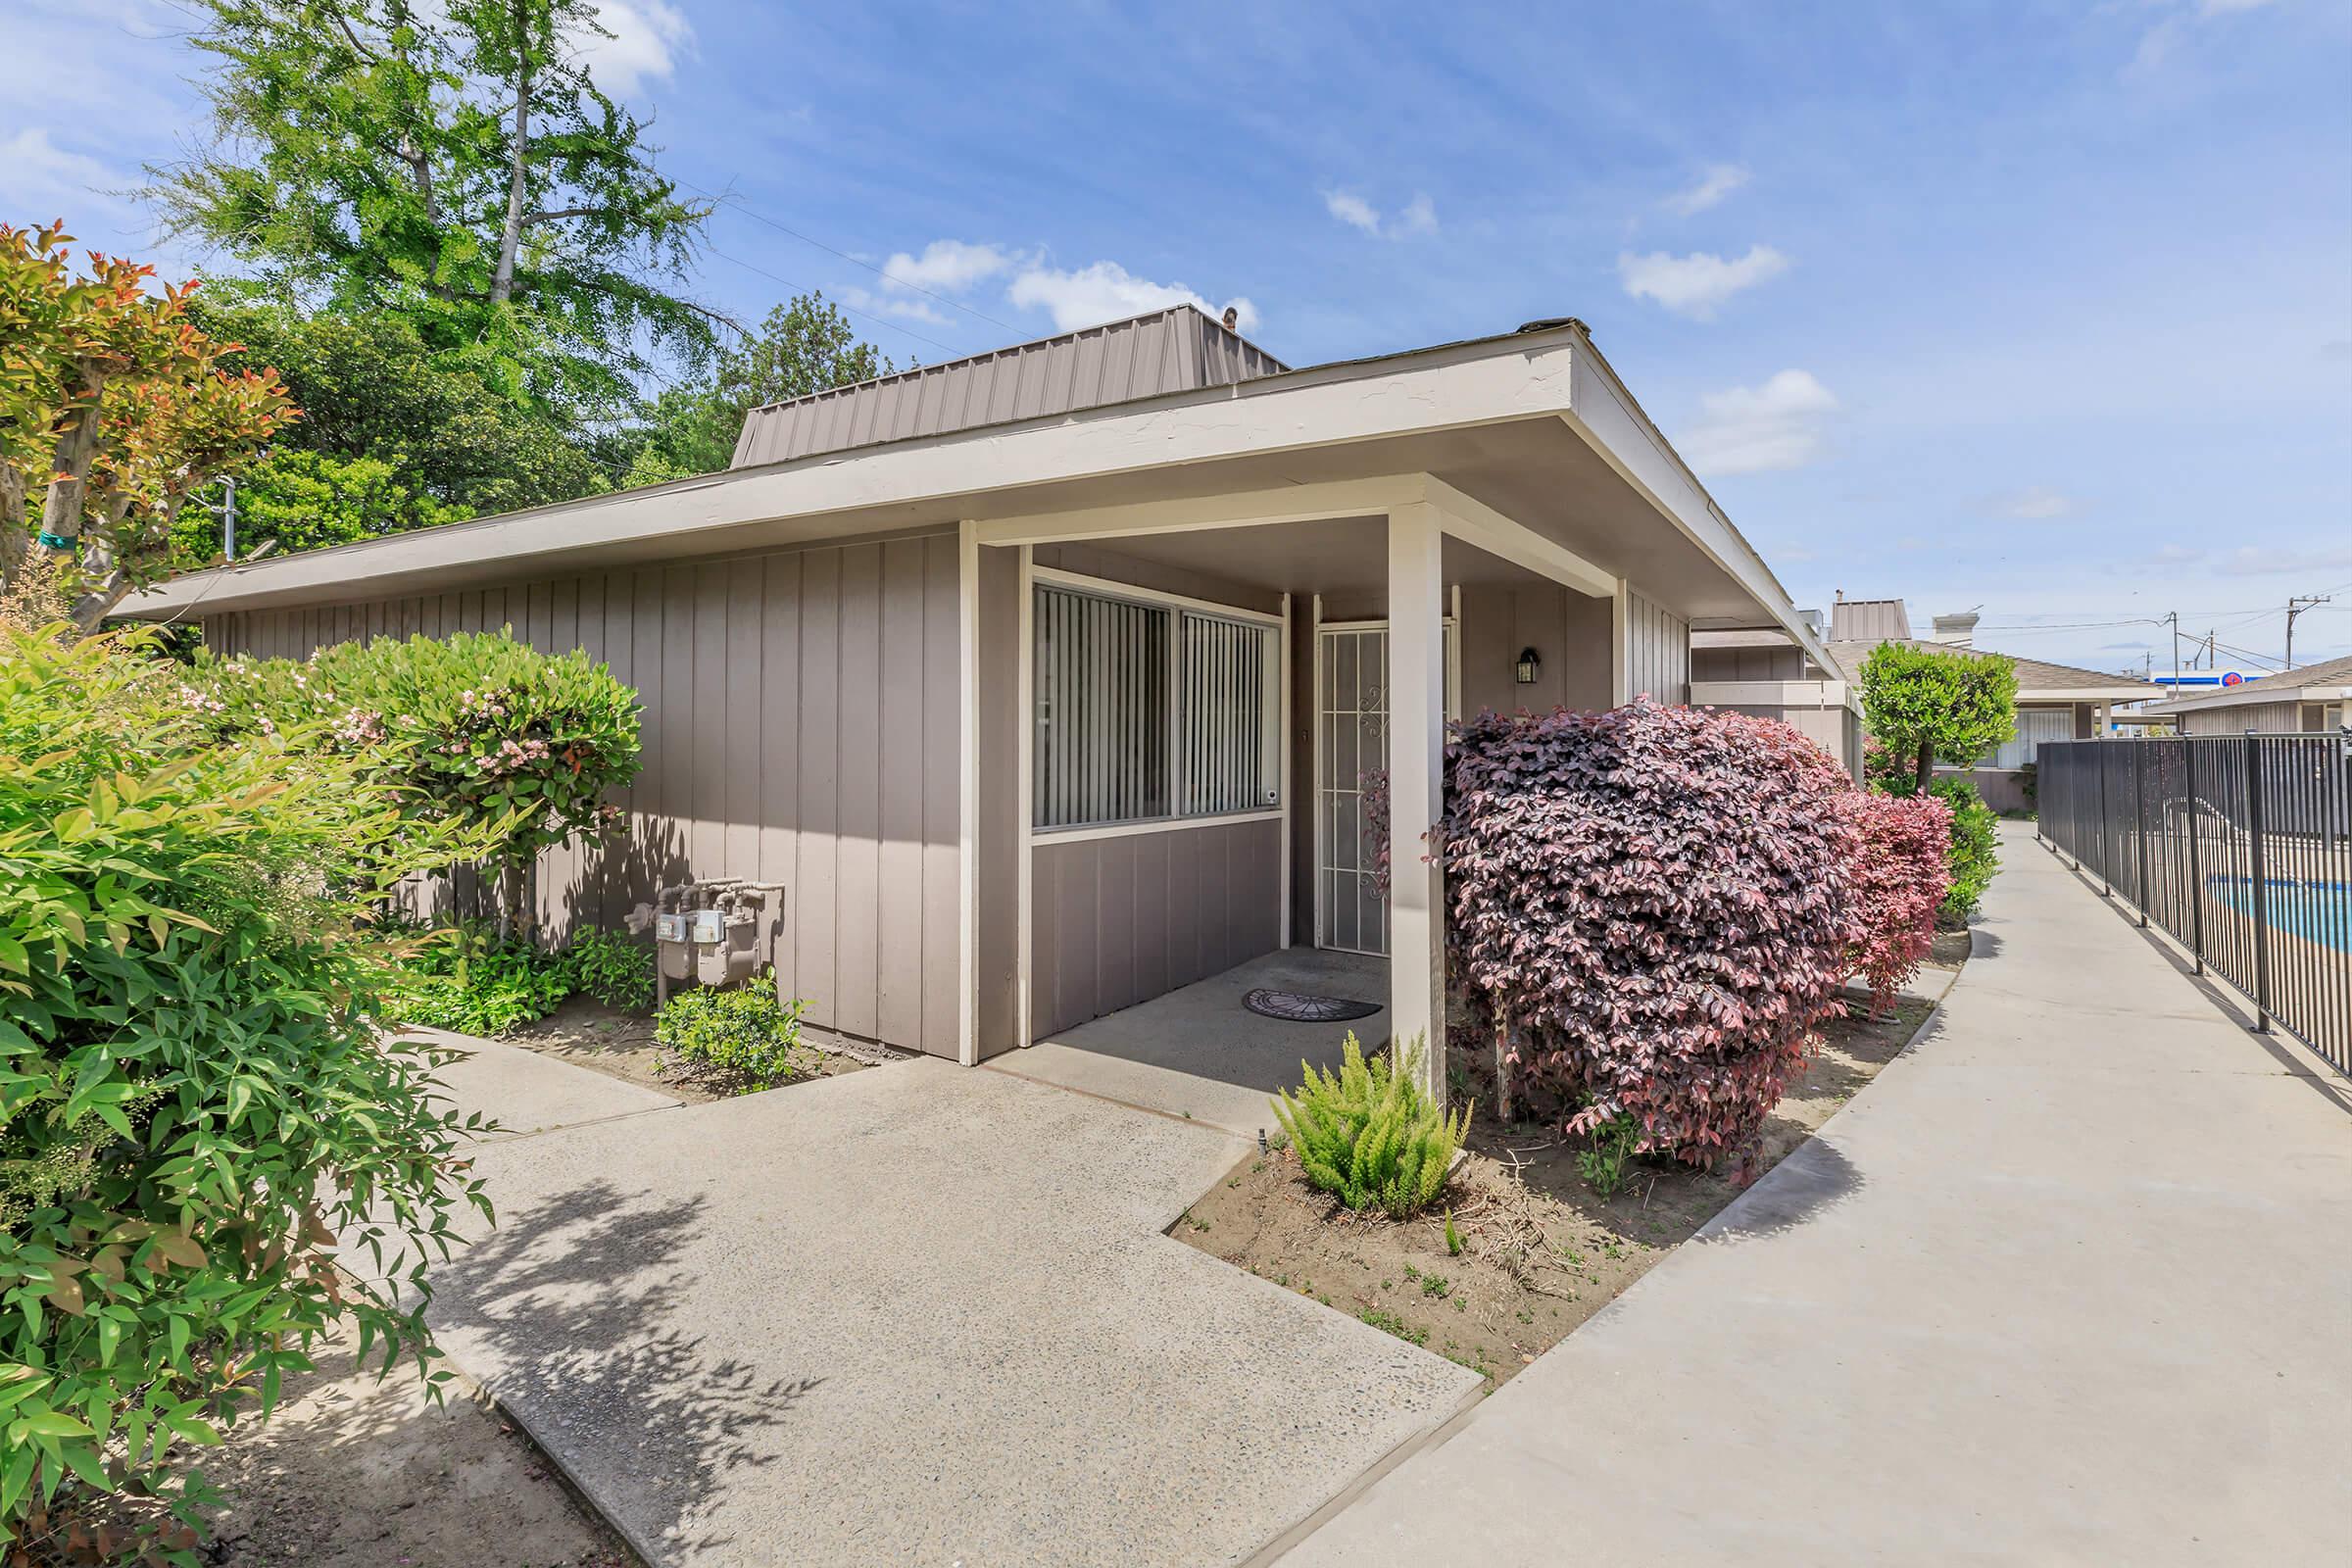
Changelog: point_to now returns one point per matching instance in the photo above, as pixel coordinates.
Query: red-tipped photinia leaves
(1655, 902)
(1900, 876)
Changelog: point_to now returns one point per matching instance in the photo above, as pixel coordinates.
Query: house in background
(1764, 671)
(1048, 681)
(2055, 702)
(2314, 699)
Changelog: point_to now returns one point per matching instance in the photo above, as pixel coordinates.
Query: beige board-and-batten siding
(1657, 652)
(2264, 719)
(1120, 920)
(800, 726)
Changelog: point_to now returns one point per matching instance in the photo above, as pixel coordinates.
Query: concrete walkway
(2069, 1283)
(916, 1314)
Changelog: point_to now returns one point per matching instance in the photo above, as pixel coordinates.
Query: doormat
(1294, 1008)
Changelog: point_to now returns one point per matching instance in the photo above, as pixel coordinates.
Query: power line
(739, 204)
(878, 320)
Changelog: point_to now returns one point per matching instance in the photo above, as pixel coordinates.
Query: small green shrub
(1370, 1135)
(741, 1035)
(611, 968)
(464, 979)
(1603, 1162)
(1976, 849)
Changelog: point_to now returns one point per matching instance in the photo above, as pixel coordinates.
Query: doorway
(1352, 748)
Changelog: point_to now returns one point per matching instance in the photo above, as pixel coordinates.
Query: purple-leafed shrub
(1653, 903)
(1901, 873)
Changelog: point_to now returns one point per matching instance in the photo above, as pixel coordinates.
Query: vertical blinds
(1225, 670)
(1143, 711)
(1101, 714)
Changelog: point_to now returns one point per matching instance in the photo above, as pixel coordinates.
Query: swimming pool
(2317, 911)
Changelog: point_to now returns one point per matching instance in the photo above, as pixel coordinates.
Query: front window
(1150, 711)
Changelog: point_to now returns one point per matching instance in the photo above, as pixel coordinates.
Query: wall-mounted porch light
(1529, 667)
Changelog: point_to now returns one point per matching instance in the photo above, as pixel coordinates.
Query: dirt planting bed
(607, 1040)
(1537, 1249)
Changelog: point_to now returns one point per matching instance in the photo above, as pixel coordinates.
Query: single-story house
(2055, 702)
(1764, 671)
(1047, 682)
(2314, 699)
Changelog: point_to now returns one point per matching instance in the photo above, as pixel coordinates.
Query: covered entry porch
(1185, 711)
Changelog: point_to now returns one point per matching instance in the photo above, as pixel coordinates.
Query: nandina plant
(1900, 876)
(1651, 905)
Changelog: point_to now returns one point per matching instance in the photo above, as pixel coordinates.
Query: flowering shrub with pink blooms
(1653, 903)
(1902, 873)
(475, 728)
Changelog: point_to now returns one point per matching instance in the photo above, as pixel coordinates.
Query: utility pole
(2295, 607)
(2175, 618)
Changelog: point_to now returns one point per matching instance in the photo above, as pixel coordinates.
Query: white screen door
(1351, 743)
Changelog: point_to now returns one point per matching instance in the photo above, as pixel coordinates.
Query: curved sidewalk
(2069, 1283)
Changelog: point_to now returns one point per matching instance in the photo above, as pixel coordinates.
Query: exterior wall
(1120, 920)
(1785, 662)
(1568, 631)
(1826, 727)
(1657, 651)
(801, 726)
(2267, 719)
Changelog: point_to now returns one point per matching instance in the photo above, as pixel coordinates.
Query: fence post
(2106, 871)
(2262, 910)
(2197, 875)
(2139, 814)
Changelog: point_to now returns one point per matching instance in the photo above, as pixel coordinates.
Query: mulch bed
(1541, 1252)
(621, 1045)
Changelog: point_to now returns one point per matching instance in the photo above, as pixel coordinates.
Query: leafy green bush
(193, 1099)
(1603, 1162)
(465, 979)
(477, 730)
(611, 968)
(1370, 1135)
(1936, 705)
(1976, 849)
(740, 1035)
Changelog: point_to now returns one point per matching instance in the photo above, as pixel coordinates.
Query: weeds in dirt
(1391, 1323)
(1605, 1162)
(1453, 1237)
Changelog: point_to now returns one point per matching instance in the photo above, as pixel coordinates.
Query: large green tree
(805, 346)
(452, 163)
(1928, 705)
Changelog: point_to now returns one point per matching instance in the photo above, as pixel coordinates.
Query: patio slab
(529, 1092)
(1197, 1053)
(915, 1314)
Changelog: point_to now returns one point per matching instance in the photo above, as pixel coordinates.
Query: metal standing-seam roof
(1175, 350)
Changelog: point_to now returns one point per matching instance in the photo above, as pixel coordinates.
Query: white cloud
(1694, 285)
(2036, 503)
(46, 181)
(1107, 292)
(1719, 181)
(1419, 217)
(1353, 210)
(912, 307)
(648, 39)
(1757, 429)
(946, 267)
(2262, 560)
(2215, 8)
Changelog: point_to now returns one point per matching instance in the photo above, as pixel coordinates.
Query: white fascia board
(1604, 413)
(2084, 694)
(1473, 522)
(1490, 383)
(2237, 697)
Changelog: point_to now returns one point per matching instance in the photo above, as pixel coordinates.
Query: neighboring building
(1765, 671)
(2315, 697)
(1048, 681)
(2055, 702)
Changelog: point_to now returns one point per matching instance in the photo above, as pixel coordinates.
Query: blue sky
(2042, 309)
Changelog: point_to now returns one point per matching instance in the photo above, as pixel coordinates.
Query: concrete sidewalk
(2069, 1283)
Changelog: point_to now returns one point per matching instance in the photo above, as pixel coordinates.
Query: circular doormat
(1297, 1008)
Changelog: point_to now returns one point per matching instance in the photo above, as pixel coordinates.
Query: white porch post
(1416, 757)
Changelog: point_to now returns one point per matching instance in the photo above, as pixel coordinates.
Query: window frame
(1175, 758)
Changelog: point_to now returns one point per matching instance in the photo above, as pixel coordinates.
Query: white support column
(1416, 761)
(1621, 638)
(967, 813)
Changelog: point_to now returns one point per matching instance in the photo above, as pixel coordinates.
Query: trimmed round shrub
(1653, 903)
(740, 1035)
(1899, 880)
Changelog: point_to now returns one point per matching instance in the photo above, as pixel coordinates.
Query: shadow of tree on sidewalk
(576, 1308)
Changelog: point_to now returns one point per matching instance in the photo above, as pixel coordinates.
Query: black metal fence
(2239, 846)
